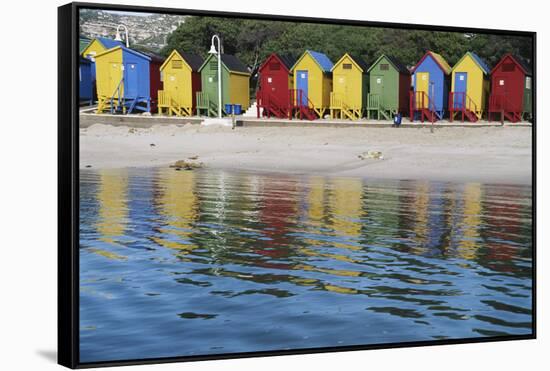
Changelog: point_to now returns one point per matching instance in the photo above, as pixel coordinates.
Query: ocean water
(182, 263)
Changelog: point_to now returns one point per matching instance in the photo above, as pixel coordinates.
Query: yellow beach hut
(313, 83)
(349, 88)
(469, 87)
(181, 80)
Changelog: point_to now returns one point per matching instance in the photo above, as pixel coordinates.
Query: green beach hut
(235, 84)
(390, 82)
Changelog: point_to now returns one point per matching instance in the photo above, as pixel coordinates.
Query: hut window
(275, 66)
(508, 67)
(213, 66)
(527, 82)
(346, 66)
(177, 65)
(384, 67)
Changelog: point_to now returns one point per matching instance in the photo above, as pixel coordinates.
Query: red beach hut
(511, 95)
(276, 80)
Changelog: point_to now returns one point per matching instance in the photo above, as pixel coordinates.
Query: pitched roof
(234, 64)
(357, 60)
(193, 60)
(132, 51)
(108, 43)
(322, 60)
(395, 62)
(522, 63)
(480, 62)
(439, 60)
(231, 62)
(401, 67)
(286, 60)
(360, 61)
(154, 56)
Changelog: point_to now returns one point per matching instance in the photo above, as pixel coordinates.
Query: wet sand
(489, 155)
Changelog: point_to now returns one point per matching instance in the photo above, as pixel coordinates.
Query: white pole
(126, 32)
(216, 37)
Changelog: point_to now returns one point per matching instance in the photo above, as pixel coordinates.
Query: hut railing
(420, 101)
(459, 101)
(373, 101)
(270, 103)
(114, 100)
(118, 93)
(297, 98)
(301, 102)
(164, 99)
(204, 102)
(336, 101)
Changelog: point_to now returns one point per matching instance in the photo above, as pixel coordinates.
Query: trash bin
(228, 109)
(397, 119)
(237, 109)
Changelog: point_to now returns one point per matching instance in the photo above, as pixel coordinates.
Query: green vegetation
(253, 40)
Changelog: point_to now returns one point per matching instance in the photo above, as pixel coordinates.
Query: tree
(253, 40)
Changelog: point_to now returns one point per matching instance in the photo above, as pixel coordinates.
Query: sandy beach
(489, 155)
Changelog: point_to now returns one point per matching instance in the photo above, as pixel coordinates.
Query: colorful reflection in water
(177, 263)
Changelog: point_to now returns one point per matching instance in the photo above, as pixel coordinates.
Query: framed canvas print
(237, 185)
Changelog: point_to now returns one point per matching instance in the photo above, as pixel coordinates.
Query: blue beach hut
(123, 81)
(85, 91)
(431, 87)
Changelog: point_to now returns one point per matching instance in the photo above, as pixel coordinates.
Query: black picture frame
(68, 184)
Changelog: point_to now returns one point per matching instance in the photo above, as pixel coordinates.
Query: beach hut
(349, 88)
(235, 84)
(431, 87)
(181, 79)
(275, 85)
(123, 81)
(85, 84)
(511, 89)
(469, 87)
(92, 48)
(312, 83)
(390, 84)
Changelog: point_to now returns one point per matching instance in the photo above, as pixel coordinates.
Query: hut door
(301, 84)
(378, 88)
(499, 89)
(422, 85)
(115, 74)
(342, 87)
(270, 86)
(171, 85)
(461, 79)
(130, 85)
